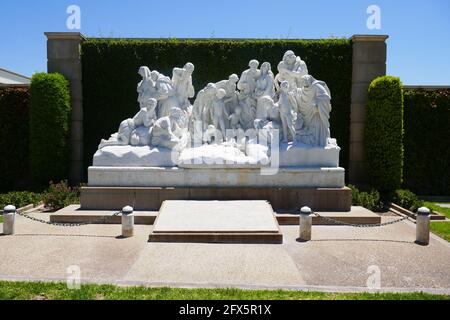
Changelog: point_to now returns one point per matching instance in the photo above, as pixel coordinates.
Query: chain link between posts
(78, 224)
(334, 221)
(96, 221)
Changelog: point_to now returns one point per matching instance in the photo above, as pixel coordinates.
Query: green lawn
(1, 218)
(433, 206)
(59, 291)
(442, 229)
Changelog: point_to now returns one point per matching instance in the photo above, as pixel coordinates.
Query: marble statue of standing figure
(182, 83)
(291, 69)
(265, 84)
(164, 93)
(287, 106)
(314, 105)
(218, 111)
(145, 88)
(248, 104)
(201, 116)
(249, 77)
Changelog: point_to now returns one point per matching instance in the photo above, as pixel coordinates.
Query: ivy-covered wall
(427, 141)
(110, 75)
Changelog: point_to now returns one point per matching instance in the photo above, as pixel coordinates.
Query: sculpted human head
(266, 67)
(189, 67)
(210, 88)
(221, 93)
(289, 57)
(152, 103)
(154, 75)
(306, 80)
(253, 64)
(284, 86)
(144, 72)
(234, 78)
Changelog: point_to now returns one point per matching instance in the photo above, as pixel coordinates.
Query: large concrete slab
(216, 216)
(216, 221)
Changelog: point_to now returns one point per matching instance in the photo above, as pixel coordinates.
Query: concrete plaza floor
(337, 259)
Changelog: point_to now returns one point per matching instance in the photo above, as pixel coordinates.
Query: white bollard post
(423, 226)
(305, 223)
(9, 219)
(127, 222)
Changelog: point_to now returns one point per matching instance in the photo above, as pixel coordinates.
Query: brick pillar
(369, 62)
(63, 56)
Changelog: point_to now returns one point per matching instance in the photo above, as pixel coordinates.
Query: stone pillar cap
(306, 210)
(369, 37)
(423, 211)
(9, 209)
(127, 210)
(64, 35)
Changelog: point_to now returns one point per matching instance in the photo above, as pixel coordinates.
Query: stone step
(251, 238)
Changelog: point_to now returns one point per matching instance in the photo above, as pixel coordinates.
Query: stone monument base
(246, 177)
(151, 198)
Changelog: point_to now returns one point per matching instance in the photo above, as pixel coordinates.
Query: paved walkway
(336, 260)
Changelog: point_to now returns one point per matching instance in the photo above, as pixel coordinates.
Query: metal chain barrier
(97, 221)
(334, 221)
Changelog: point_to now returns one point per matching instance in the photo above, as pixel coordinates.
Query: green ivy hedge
(383, 134)
(49, 127)
(427, 141)
(110, 75)
(13, 137)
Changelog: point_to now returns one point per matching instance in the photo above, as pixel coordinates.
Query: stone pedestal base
(216, 177)
(151, 198)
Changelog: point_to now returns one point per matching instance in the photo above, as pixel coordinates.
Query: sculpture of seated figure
(291, 69)
(265, 84)
(162, 135)
(182, 83)
(287, 106)
(218, 111)
(120, 138)
(134, 131)
(314, 105)
(268, 118)
(143, 121)
(236, 118)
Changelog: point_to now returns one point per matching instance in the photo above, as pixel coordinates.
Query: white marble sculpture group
(225, 113)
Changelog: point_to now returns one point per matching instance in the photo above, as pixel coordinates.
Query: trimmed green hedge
(49, 127)
(383, 134)
(110, 75)
(13, 137)
(427, 141)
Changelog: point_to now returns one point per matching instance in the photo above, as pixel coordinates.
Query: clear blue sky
(418, 48)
